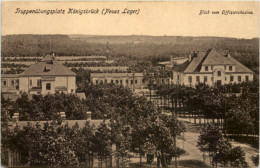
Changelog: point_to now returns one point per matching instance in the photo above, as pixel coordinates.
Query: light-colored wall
(212, 81)
(51, 91)
(138, 85)
(67, 81)
(194, 80)
(24, 84)
(72, 84)
(175, 77)
(9, 87)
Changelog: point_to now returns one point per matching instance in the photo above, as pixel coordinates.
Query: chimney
(89, 115)
(63, 115)
(194, 54)
(190, 58)
(227, 53)
(63, 118)
(16, 118)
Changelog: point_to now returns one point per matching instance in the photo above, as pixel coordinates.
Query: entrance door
(218, 82)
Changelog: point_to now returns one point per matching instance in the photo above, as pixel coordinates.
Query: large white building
(47, 76)
(211, 68)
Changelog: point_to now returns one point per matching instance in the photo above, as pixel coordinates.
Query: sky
(154, 18)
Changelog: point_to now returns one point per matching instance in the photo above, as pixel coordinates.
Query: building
(211, 68)
(132, 80)
(47, 76)
(10, 83)
(174, 61)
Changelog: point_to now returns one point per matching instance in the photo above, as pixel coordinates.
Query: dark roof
(211, 57)
(48, 66)
(195, 62)
(181, 67)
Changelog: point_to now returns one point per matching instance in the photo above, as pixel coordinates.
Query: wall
(72, 84)
(10, 87)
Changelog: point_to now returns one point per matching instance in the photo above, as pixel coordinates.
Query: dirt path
(191, 137)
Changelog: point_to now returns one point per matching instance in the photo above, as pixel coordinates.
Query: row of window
(118, 81)
(230, 68)
(12, 82)
(239, 78)
(39, 82)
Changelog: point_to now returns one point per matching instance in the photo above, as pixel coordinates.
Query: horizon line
(137, 35)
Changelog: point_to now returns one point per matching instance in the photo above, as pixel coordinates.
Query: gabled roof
(48, 66)
(193, 66)
(211, 57)
(215, 58)
(240, 67)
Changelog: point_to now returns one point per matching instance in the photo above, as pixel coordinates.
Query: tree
(50, 147)
(102, 141)
(220, 150)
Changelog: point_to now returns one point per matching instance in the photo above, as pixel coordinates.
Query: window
(96, 81)
(211, 67)
(205, 79)
(211, 78)
(12, 83)
(112, 81)
(225, 67)
(117, 82)
(162, 80)
(239, 78)
(105, 81)
(126, 81)
(231, 78)
(247, 78)
(178, 77)
(17, 84)
(39, 83)
(197, 78)
(30, 82)
(218, 82)
(206, 68)
(230, 68)
(48, 86)
(121, 82)
(5, 83)
(72, 90)
(190, 79)
(135, 81)
(219, 73)
(131, 82)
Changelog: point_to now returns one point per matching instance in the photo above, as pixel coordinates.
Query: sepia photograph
(115, 84)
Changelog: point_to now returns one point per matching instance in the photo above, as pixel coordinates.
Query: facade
(10, 83)
(212, 68)
(132, 80)
(47, 76)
